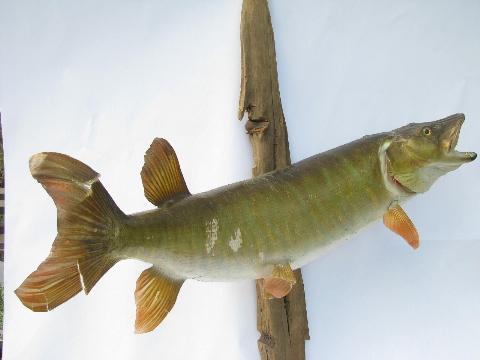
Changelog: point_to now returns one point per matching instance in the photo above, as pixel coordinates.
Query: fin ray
(155, 296)
(397, 220)
(161, 175)
(53, 283)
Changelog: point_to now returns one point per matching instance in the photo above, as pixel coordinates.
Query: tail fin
(88, 221)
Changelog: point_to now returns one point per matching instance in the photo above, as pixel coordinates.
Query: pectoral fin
(398, 221)
(155, 296)
(280, 282)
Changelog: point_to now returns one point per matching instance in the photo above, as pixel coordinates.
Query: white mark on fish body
(236, 241)
(261, 255)
(211, 228)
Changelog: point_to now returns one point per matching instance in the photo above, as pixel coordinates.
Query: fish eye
(427, 131)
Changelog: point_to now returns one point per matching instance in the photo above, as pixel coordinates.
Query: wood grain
(282, 323)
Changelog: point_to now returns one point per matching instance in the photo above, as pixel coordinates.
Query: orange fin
(398, 221)
(155, 296)
(87, 220)
(55, 281)
(161, 175)
(281, 282)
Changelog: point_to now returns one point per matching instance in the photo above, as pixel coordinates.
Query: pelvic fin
(398, 221)
(280, 282)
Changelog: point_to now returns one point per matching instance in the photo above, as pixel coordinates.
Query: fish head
(422, 152)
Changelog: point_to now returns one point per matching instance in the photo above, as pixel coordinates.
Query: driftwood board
(282, 323)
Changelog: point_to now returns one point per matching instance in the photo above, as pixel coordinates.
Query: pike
(261, 228)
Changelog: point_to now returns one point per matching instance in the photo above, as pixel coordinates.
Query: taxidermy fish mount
(254, 229)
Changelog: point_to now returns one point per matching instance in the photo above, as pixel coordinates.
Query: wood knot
(256, 126)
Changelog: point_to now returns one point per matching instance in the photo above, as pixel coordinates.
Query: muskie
(254, 229)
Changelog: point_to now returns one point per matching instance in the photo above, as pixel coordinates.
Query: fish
(260, 228)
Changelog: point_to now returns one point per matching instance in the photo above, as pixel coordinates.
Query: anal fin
(281, 282)
(155, 296)
(398, 221)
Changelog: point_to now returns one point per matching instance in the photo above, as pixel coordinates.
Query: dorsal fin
(161, 175)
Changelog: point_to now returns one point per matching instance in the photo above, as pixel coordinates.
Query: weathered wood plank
(282, 323)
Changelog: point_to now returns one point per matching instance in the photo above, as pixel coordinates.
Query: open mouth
(454, 138)
(450, 138)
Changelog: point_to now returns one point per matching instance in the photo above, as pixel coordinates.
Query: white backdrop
(99, 80)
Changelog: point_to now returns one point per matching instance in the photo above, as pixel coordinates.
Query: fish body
(262, 228)
(241, 230)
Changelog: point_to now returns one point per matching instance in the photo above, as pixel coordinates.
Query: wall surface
(99, 80)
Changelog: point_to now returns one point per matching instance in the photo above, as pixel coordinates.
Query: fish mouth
(449, 139)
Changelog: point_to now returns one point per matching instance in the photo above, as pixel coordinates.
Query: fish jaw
(449, 140)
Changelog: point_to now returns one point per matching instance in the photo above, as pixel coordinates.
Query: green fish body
(241, 230)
